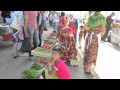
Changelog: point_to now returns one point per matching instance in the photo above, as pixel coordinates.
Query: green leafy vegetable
(36, 67)
(30, 74)
(42, 50)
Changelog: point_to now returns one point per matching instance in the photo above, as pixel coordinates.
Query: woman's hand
(27, 34)
(103, 27)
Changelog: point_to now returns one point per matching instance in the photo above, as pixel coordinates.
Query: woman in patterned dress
(68, 45)
(94, 27)
(62, 23)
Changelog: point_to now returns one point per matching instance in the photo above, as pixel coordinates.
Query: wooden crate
(47, 42)
(116, 25)
(38, 59)
(40, 54)
(52, 40)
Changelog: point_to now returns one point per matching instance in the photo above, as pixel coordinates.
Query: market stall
(45, 51)
(42, 54)
(5, 30)
(115, 34)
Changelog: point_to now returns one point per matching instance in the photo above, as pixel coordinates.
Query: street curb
(94, 74)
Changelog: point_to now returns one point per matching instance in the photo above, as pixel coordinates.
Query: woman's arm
(103, 27)
(86, 27)
(54, 69)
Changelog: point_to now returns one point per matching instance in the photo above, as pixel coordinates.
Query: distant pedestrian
(81, 35)
(62, 23)
(55, 21)
(73, 26)
(109, 21)
(50, 19)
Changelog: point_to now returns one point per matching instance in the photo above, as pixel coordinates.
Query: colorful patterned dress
(94, 21)
(62, 23)
(70, 52)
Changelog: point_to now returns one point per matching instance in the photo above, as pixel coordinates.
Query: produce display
(32, 72)
(45, 46)
(52, 40)
(47, 42)
(36, 67)
(53, 34)
(4, 29)
(43, 50)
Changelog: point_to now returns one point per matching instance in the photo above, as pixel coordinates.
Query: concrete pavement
(108, 62)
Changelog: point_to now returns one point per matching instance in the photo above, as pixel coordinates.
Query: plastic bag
(25, 45)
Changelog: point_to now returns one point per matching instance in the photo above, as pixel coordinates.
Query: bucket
(8, 20)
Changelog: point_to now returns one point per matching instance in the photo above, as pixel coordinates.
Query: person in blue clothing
(17, 34)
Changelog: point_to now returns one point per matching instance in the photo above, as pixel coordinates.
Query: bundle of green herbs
(32, 72)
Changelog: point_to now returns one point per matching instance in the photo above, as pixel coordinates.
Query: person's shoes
(32, 58)
(16, 56)
(68, 62)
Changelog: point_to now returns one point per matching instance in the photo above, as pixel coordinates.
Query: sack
(15, 24)
(25, 45)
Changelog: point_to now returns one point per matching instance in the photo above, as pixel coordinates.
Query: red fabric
(7, 37)
(62, 22)
(62, 70)
(70, 45)
(73, 27)
(66, 30)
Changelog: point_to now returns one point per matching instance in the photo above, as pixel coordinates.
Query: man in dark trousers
(109, 21)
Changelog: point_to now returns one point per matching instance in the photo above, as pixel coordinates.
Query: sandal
(16, 56)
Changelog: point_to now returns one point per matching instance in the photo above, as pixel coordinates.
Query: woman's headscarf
(96, 19)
